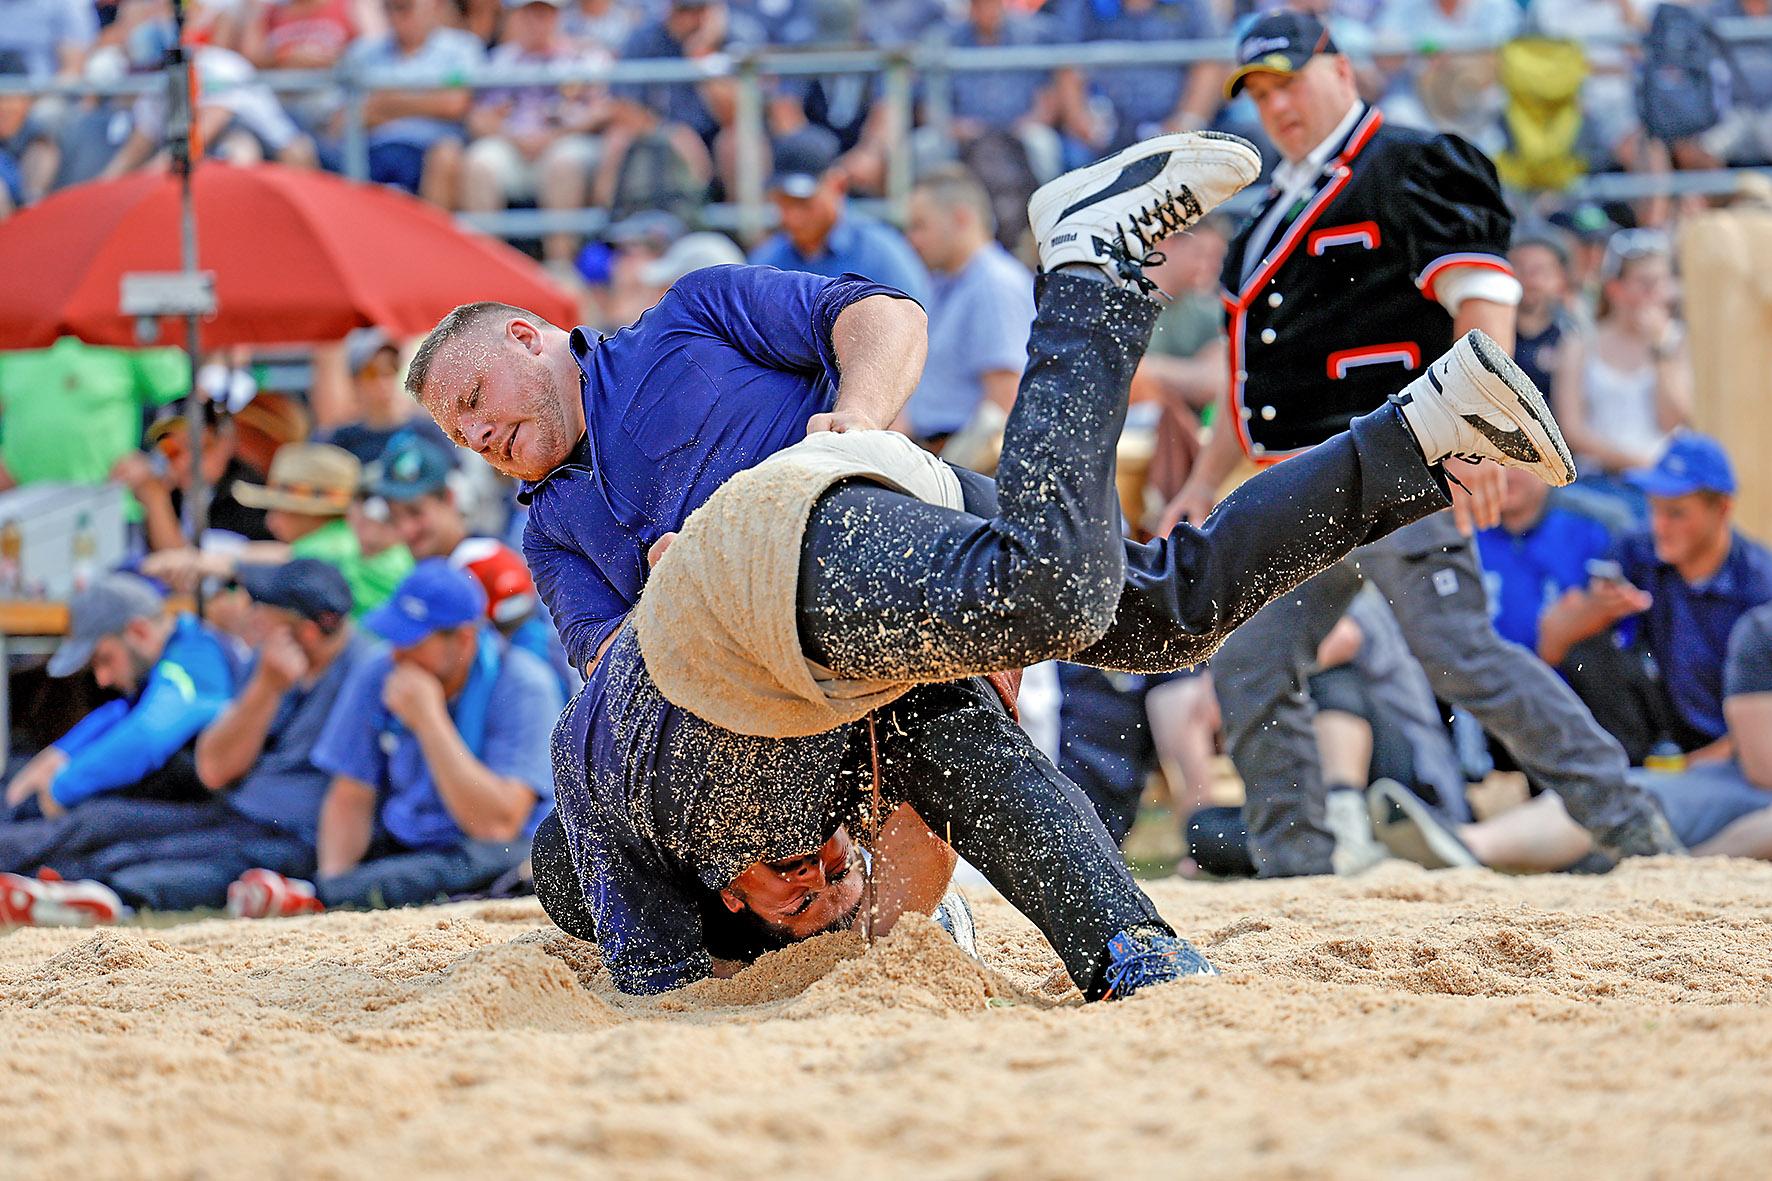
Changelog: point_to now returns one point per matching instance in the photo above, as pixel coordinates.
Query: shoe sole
(1421, 837)
(1204, 146)
(1526, 409)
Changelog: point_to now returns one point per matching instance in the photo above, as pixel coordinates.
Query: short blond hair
(460, 322)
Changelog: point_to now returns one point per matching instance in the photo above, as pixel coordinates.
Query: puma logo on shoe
(1140, 172)
(1513, 444)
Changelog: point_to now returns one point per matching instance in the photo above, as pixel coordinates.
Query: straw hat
(314, 479)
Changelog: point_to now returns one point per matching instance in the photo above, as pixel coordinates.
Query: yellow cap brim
(1234, 84)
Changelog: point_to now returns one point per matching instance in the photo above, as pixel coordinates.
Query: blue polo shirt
(284, 788)
(510, 734)
(857, 245)
(1687, 628)
(721, 374)
(121, 742)
(1526, 572)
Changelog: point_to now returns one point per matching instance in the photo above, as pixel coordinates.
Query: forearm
(1188, 383)
(1559, 631)
(1496, 319)
(486, 806)
(160, 523)
(880, 343)
(1200, 98)
(1673, 392)
(450, 105)
(347, 821)
(234, 741)
(1221, 453)
(1713, 752)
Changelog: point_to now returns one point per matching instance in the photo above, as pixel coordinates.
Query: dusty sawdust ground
(1447, 1025)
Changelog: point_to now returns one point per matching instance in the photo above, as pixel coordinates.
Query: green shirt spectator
(309, 498)
(69, 412)
(372, 579)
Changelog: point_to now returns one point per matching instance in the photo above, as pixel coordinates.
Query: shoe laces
(1162, 216)
(1159, 218)
(1137, 960)
(1130, 266)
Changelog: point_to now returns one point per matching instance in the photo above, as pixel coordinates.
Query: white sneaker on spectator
(1475, 403)
(265, 894)
(1356, 849)
(1113, 214)
(47, 901)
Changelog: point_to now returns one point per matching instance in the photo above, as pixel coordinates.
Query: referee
(1373, 249)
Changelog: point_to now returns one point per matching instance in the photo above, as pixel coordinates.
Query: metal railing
(901, 70)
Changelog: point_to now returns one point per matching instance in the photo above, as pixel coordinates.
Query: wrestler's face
(802, 896)
(494, 393)
(1299, 110)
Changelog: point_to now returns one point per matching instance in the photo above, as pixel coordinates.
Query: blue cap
(435, 597)
(410, 466)
(1691, 463)
(307, 586)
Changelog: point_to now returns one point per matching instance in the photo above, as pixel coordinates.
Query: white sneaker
(954, 914)
(1475, 403)
(51, 902)
(1113, 213)
(1356, 849)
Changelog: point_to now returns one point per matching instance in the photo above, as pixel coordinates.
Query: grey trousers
(1430, 574)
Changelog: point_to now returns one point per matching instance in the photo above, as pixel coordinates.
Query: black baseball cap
(1278, 43)
(307, 586)
(801, 160)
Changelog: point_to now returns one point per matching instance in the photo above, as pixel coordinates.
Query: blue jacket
(721, 374)
(121, 742)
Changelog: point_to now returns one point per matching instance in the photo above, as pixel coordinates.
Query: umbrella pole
(181, 115)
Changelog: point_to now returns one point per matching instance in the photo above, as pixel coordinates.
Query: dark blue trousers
(413, 877)
(157, 854)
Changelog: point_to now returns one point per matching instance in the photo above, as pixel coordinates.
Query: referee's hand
(1477, 492)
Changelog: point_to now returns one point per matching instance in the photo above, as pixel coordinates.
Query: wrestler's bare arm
(880, 344)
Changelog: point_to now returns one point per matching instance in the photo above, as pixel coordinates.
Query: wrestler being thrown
(833, 610)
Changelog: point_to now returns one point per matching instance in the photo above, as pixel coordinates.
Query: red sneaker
(266, 894)
(50, 902)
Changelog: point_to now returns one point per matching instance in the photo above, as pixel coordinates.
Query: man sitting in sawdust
(804, 659)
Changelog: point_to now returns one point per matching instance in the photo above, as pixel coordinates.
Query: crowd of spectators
(361, 714)
(636, 145)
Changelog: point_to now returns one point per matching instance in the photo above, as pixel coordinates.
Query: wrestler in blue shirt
(730, 367)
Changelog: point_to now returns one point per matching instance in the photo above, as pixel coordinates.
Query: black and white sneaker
(1113, 213)
(1475, 403)
(1414, 831)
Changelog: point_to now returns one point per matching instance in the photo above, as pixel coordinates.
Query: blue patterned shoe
(1144, 956)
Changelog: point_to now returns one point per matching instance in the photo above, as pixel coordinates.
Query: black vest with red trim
(1341, 313)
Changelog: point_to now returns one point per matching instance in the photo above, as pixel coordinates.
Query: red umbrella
(298, 257)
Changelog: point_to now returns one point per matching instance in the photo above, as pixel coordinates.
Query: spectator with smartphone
(1679, 589)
